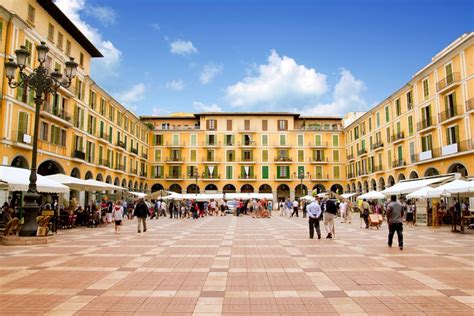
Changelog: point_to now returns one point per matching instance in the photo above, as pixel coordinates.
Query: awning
(73, 183)
(307, 198)
(137, 194)
(248, 196)
(421, 193)
(103, 186)
(348, 195)
(160, 194)
(409, 186)
(18, 179)
(372, 195)
(454, 187)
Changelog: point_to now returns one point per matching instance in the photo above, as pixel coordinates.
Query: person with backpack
(141, 212)
(366, 212)
(329, 216)
(314, 214)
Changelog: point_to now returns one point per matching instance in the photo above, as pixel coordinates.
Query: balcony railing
(377, 145)
(211, 144)
(361, 152)
(450, 113)
(143, 174)
(120, 167)
(174, 159)
(134, 171)
(157, 176)
(398, 163)
(211, 177)
(362, 173)
(210, 159)
(448, 81)
(104, 162)
(398, 136)
(281, 177)
(22, 137)
(79, 154)
(144, 155)
(283, 159)
(251, 143)
(320, 144)
(351, 175)
(103, 136)
(350, 157)
(247, 177)
(121, 144)
(470, 105)
(134, 151)
(378, 168)
(319, 159)
(57, 112)
(425, 123)
(247, 159)
(175, 176)
(178, 144)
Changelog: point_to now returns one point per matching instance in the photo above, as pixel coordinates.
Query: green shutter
(287, 171)
(265, 172)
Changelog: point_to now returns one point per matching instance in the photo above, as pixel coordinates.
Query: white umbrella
(453, 187)
(307, 198)
(409, 186)
(73, 183)
(18, 179)
(422, 193)
(103, 186)
(372, 195)
(137, 194)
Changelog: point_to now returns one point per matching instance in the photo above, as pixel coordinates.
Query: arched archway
(20, 162)
(124, 183)
(283, 192)
(145, 187)
(301, 190)
(49, 167)
(246, 188)
(192, 188)
(413, 175)
(175, 188)
(141, 186)
(89, 175)
(157, 187)
(229, 188)
(373, 185)
(390, 181)
(359, 187)
(117, 181)
(265, 188)
(130, 185)
(366, 186)
(401, 177)
(210, 187)
(381, 184)
(108, 179)
(319, 188)
(135, 186)
(76, 173)
(431, 172)
(337, 188)
(348, 187)
(458, 168)
(99, 177)
(354, 190)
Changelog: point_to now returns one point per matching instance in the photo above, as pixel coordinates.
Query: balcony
(121, 144)
(79, 154)
(22, 137)
(399, 164)
(466, 145)
(134, 171)
(377, 169)
(362, 173)
(143, 174)
(134, 151)
(283, 178)
(176, 177)
(250, 177)
(144, 155)
(157, 176)
(319, 177)
(210, 177)
(377, 146)
(175, 145)
(318, 145)
(174, 160)
(449, 115)
(247, 160)
(103, 137)
(451, 81)
(397, 137)
(283, 160)
(104, 162)
(251, 143)
(279, 145)
(120, 167)
(350, 157)
(319, 160)
(210, 160)
(350, 175)
(470, 105)
(362, 152)
(56, 115)
(211, 144)
(425, 124)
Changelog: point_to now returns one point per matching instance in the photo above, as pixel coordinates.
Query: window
(356, 132)
(247, 125)
(426, 88)
(426, 143)
(175, 139)
(229, 172)
(68, 48)
(210, 155)
(102, 106)
(229, 140)
(193, 140)
(29, 47)
(317, 140)
(412, 152)
(387, 114)
(300, 155)
(158, 140)
(282, 140)
(449, 73)
(92, 99)
(283, 172)
(409, 100)
(157, 155)
(265, 155)
(300, 140)
(335, 140)
(60, 41)
(229, 125)
(211, 125)
(264, 140)
(51, 32)
(282, 125)
(398, 106)
(81, 59)
(31, 14)
(336, 172)
(335, 155)
(388, 135)
(452, 135)
(230, 155)
(370, 124)
(264, 125)
(80, 87)
(399, 127)
(318, 170)
(265, 172)
(377, 119)
(44, 131)
(410, 125)
(450, 105)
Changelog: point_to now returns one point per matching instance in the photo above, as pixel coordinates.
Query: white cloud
(130, 96)
(183, 48)
(201, 107)
(102, 67)
(156, 27)
(347, 97)
(104, 15)
(209, 72)
(278, 82)
(157, 111)
(176, 85)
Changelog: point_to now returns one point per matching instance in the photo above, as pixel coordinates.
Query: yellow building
(424, 128)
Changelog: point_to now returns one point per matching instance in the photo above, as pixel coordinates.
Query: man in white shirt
(295, 208)
(314, 214)
(342, 211)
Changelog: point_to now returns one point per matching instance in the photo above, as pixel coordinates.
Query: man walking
(329, 215)
(342, 211)
(141, 212)
(395, 222)
(295, 208)
(314, 213)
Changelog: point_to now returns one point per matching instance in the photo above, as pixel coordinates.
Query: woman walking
(117, 214)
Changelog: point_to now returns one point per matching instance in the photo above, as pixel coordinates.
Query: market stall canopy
(18, 179)
(307, 198)
(73, 183)
(409, 186)
(103, 186)
(137, 194)
(160, 194)
(348, 195)
(248, 196)
(454, 187)
(372, 195)
(421, 193)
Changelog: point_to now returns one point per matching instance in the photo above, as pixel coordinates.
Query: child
(117, 214)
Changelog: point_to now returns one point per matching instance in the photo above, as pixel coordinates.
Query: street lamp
(302, 176)
(42, 82)
(195, 175)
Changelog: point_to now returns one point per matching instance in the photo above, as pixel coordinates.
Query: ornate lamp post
(42, 82)
(195, 175)
(302, 176)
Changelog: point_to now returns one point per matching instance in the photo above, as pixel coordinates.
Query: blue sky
(314, 57)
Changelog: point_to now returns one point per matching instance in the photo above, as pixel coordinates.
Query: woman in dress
(117, 214)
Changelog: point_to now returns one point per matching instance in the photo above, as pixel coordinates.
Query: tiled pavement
(239, 266)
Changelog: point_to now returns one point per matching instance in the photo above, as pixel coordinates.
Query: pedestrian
(329, 216)
(295, 208)
(410, 212)
(163, 208)
(117, 214)
(314, 214)
(365, 212)
(395, 221)
(157, 208)
(303, 208)
(343, 211)
(141, 212)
